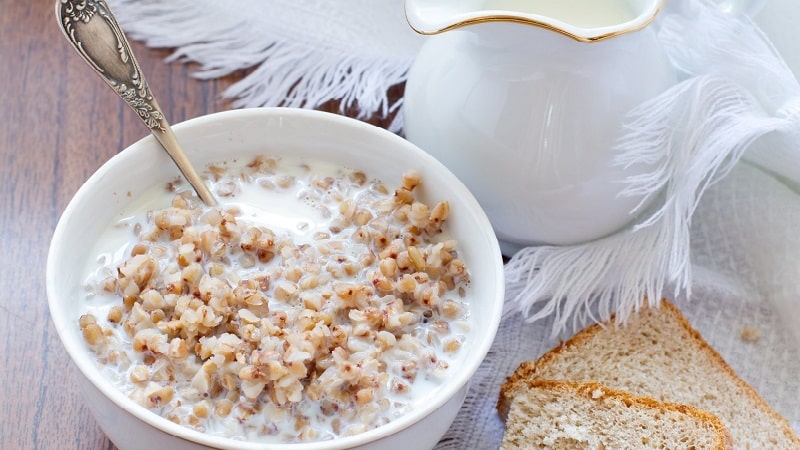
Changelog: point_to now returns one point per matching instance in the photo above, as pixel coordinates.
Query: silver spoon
(92, 29)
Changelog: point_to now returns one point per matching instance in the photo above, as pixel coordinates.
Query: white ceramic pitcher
(523, 100)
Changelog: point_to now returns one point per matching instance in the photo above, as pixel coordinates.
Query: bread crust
(530, 369)
(594, 391)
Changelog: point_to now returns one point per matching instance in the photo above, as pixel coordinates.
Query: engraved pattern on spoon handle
(94, 32)
(92, 21)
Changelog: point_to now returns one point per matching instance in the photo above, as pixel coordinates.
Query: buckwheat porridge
(314, 302)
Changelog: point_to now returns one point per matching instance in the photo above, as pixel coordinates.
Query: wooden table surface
(58, 123)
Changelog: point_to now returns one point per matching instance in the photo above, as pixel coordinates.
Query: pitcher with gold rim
(524, 99)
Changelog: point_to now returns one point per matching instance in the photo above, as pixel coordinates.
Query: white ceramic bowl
(246, 133)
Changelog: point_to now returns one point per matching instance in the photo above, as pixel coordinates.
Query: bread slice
(658, 354)
(567, 415)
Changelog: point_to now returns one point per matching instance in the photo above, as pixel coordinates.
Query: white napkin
(745, 245)
(744, 233)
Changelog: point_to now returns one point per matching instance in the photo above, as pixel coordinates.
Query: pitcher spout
(582, 20)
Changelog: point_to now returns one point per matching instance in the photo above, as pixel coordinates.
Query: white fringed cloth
(724, 242)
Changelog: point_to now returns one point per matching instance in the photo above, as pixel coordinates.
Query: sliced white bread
(566, 415)
(657, 354)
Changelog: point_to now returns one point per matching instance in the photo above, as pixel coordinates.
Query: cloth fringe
(284, 72)
(694, 134)
(744, 54)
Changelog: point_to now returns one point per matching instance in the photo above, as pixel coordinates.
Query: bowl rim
(449, 389)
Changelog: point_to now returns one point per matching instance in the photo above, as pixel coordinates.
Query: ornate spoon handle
(93, 31)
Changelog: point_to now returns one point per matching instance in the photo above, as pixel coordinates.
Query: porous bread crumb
(750, 334)
(570, 415)
(658, 354)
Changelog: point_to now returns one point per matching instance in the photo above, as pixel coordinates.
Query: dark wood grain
(58, 123)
